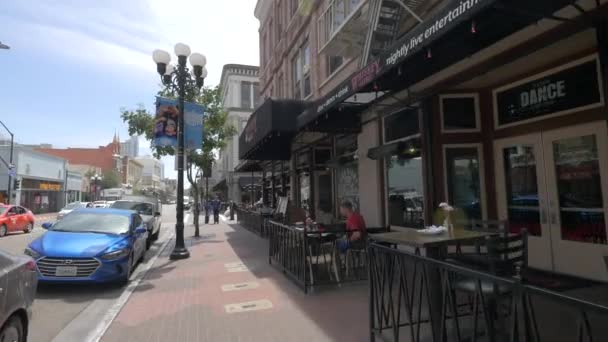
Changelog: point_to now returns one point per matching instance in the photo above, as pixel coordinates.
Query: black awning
(245, 182)
(408, 148)
(270, 129)
(460, 29)
(220, 186)
(248, 166)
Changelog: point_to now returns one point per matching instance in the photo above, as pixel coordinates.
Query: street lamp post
(179, 79)
(10, 162)
(95, 179)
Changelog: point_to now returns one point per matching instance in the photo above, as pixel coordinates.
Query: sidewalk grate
(240, 286)
(263, 304)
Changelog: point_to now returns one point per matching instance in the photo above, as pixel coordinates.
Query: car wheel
(12, 331)
(28, 229)
(155, 235)
(149, 241)
(125, 280)
(3, 230)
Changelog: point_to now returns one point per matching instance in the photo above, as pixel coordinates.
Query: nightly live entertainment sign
(570, 88)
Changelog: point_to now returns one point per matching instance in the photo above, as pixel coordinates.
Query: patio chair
(507, 256)
(478, 257)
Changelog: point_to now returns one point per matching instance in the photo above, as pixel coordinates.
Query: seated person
(355, 227)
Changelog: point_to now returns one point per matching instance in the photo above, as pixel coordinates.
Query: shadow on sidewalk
(341, 312)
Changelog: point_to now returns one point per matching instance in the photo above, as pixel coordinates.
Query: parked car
(100, 204)
(150, 211)
(90, 246)
(18, 281)
(14, 218)
(71, 206)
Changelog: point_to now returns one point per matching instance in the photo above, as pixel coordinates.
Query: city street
(72, 313)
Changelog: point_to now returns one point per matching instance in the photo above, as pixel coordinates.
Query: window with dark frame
(256, 94)
(459, 113)
(463, 175)
(246, 94)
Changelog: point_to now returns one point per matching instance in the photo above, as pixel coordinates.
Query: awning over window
(248, 166)
(460, 29)
(247, 182)
(220, 186)
(270, 129)
(408, 148)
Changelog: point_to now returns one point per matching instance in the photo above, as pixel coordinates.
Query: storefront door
(555, 184)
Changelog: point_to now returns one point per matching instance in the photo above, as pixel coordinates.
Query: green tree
(111, 179)
(215, 132)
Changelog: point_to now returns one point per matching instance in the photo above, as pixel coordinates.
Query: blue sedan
(90, 246)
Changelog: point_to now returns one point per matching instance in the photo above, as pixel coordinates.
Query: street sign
(12, 172)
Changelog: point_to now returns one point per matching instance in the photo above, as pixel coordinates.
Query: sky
(73, 64)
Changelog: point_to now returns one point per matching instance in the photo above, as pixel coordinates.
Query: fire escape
(368, 28)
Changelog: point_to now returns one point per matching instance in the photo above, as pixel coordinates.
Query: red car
(14, 218)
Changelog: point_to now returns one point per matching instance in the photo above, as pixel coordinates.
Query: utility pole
(10, 162)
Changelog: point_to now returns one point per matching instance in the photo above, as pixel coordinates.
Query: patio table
(436, 247)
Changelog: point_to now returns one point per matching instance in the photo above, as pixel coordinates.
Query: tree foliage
(111, 179)
(215, 132)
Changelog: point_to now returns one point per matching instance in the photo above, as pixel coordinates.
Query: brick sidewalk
(183, 301)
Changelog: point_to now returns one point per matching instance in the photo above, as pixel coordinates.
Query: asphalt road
(65, 312)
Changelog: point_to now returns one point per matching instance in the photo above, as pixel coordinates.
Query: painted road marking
(240, 286)
(238, 269)
(234, 264)
(262, 304)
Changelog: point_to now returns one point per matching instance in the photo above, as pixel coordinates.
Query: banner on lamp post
(193, 124)
(165, 122)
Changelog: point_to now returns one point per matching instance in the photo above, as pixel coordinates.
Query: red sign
(365, 75)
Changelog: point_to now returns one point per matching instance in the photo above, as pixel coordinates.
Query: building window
(263, 51)
(256, 94)
(463, 170)
(246, 94)
(459, 113)
(333, 64)
(405, 191)
(301, 72)
(279, 20)
(280, 85)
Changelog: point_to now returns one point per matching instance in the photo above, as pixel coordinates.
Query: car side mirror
(140, 230)
(47, 225)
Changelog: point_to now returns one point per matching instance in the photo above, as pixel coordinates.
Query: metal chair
(477, 257)
(507, 256)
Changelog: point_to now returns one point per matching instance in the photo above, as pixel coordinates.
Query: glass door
(577, 178)
(521, 191)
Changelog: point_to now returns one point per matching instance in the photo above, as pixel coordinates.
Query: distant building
(132, 172)
(104, 157)
(239, 85)
(130, 147)
(153, 171)
(41, 178)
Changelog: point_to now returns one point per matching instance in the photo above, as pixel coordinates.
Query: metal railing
(287, 251)
(414, 298)
(310, 258)
(331, 21)
(251, 220)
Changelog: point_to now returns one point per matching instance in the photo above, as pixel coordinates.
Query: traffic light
(17, 184)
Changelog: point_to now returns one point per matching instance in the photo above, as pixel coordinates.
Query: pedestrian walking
(215, 206)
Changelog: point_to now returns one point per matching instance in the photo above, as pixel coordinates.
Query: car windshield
(84, 222)
(141, 208)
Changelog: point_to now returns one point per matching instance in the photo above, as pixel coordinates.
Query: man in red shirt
(355, 227)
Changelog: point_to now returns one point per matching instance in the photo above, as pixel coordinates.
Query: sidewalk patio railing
(251, 220)
(310, 258)
(492, 308)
